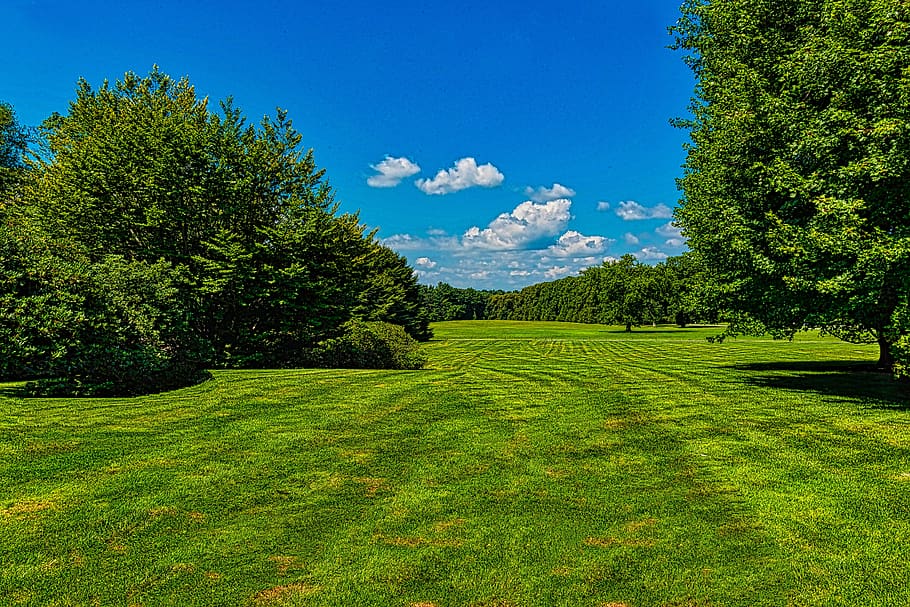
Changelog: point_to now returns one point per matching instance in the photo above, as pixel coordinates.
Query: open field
(530, 465)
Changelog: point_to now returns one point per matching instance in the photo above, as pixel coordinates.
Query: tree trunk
(887, 304)
(885, 357)
(628, 327)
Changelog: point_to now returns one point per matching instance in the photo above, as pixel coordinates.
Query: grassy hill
(531, 464)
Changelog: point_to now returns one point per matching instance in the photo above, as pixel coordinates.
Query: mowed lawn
(531, 464)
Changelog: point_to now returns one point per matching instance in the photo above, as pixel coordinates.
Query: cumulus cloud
(425, 262)
(557, 272)
(529, 222)
(651, 254)
(631, 211)
(574, 244)
(391, 172)
(465, 174)
(675, 242)
(603, 206)
(668, 230)
(630, 238)
(543, 194)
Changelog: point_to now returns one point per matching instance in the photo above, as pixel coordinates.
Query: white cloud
(465, 174)
(574, 244)
(543, 194)
(651, 254)
(675, 242)
(603, 206)
(528, 222)
(668, 230)
(409, 242)
(391, 172)
(630, 238)
(425, 262)
(631, 211)
(557, 272)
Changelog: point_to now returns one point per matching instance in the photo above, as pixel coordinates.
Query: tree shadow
(859, 381)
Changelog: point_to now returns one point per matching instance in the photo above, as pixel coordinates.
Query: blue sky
(495, 145)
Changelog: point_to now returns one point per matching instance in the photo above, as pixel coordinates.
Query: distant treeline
(445, 302)
(624, 291)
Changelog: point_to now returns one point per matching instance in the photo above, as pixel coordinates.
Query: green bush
(371, 345)
(76, 328)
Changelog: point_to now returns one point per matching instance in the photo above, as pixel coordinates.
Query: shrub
(371, 345)
(110, 328)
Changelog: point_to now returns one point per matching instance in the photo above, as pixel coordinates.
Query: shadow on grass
(859, 381)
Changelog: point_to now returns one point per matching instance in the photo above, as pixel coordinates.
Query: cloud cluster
(527, 223)
(479, 268)
(465, 174)
(391, 171)
(632, 211)
(543, 194)
(531, 243)
(651, 254)
(574, 244)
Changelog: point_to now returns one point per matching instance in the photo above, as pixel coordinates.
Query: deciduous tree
(796, 193)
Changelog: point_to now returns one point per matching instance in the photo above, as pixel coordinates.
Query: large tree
(796, 192)
(142, 169)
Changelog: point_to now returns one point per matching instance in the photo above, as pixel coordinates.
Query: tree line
(618, 292)
(150, 238)
(622, 291)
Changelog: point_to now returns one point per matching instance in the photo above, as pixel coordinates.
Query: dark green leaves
(798, 177)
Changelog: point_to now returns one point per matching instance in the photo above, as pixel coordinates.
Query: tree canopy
(796, 192)
(232, 230)
(623, 291)
(14, 141)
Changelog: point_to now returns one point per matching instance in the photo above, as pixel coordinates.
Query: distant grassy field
(532, 464)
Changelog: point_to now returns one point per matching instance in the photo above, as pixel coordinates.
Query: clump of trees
(623, 291)
(445, 302)
(156, 238)
(797, 181)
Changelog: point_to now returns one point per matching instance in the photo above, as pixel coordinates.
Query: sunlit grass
(530, 464)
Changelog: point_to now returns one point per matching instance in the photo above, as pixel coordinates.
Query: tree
(390, 292)
(796, 192)
(14, 142)
(144, 170)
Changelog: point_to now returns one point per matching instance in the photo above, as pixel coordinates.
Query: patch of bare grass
(284, 563)
(28, 508)
(372, 485)
(279, 594)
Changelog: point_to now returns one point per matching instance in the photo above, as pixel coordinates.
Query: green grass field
(531, 464)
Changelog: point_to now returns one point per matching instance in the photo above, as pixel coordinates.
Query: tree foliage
(91, 328)
(221, 244)
(622, 291)
(443, 302)
(14, 142)
(797, 181)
